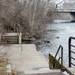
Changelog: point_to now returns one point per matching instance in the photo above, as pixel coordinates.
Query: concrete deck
(72, 70)
(27, 61)
(25, 58)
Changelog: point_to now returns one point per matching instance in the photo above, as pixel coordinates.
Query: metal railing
(60, 57)
(71, 51)
(55, 63)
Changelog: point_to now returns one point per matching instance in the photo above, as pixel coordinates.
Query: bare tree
(28, 16)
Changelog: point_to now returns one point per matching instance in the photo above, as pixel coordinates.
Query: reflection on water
(58, 34)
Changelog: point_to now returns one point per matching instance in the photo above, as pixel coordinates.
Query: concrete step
(72, 70)
(43, 71)
(42, 74)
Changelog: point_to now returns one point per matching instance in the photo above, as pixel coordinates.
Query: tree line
(27, 16)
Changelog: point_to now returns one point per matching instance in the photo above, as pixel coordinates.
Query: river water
(58, 34)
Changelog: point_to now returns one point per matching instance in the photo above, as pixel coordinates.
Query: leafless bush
(26, 16)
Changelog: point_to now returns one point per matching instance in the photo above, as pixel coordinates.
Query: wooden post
(20, 38)
(20, 42)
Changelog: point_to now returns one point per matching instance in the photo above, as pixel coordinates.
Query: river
(58, 34)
